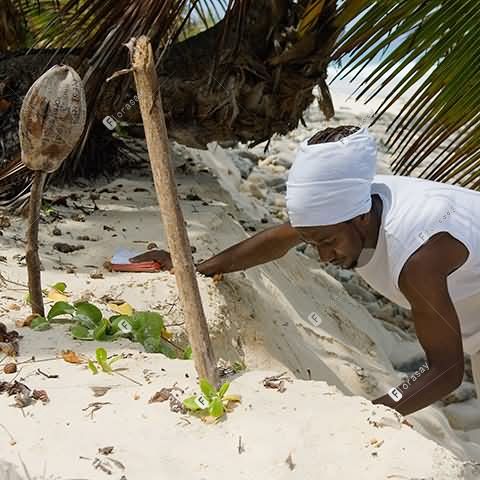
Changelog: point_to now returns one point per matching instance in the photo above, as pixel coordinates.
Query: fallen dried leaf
(161, 396)
(100, 391)
(277, 382)
(13, 306)
(8, 349)
(123, 309)
(71, 357)
(55, 296)
(10, 368)
(26, 322)
(40, 395)
(106, 450)
(289, 461)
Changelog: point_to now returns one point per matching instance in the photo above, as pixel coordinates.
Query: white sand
(327, 425)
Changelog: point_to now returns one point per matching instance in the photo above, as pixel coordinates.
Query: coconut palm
(244, 70)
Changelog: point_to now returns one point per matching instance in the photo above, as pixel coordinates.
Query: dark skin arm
(423, 281)
(265, 246)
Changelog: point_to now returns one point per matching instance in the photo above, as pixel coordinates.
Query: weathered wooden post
(150, 100)
(52, 119)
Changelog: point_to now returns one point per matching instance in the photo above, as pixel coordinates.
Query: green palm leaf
(436, 133)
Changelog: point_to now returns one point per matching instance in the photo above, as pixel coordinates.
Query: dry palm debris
(164, 394)
(277, 382)
(72, 357)
(8, 341)
(106, 450)
(95, 406)
(289, 461)
(100, 391)
(40, 395)
(23, 395)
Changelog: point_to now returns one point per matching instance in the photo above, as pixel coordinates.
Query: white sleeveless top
(413, 211)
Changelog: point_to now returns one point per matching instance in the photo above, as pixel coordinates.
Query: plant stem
(33, 260)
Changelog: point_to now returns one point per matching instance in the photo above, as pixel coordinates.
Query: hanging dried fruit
(52, 120)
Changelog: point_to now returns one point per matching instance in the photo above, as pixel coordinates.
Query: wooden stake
(33, 260)
(158, 149)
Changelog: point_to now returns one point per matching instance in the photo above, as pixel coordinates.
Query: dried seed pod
(10, 368)
(52, 118)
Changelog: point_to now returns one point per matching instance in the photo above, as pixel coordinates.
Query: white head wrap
(329, 183)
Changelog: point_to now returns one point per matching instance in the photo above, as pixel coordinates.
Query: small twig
(173, 345)
(241, 448)
(3, 279)
(128, 378)
(24, 466)
(33, 360)
(119, 73)
(46, 374)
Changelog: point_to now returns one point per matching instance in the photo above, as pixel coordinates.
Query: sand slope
(327, 426)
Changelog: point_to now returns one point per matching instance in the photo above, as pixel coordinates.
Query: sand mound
(260, 316)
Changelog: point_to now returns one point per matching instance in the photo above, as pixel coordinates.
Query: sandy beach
(322, 426)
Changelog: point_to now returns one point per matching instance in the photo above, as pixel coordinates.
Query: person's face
(340, 244)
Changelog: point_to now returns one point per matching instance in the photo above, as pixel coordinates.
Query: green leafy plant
(147, 328)
(213, 403)
(40, 324)
(103, 362)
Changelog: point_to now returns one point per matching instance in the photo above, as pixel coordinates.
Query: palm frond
(432, 58)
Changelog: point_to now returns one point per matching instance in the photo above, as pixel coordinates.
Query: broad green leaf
(167, 349)
(151, 322)
(159, 345)
(60, 308)
(207, 389)
(60, 286)
(190, 404)
(114, 359)
(223, 389)
(87, 314)
(100, 332)
(216, 408)
(40, 324)
(117, 321)
(102, 360)
(81, 333)
(92, 367)
(101, 355)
